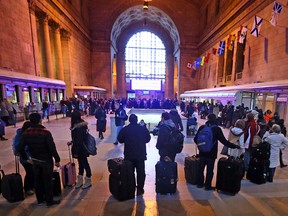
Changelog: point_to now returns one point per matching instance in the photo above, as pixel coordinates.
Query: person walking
(79, 134)
(27, 164)
(42, 148)
(207, 159)
(120, 118)
(135, 136)
(100, 115)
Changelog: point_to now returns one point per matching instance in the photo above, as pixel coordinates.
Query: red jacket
(253, 131)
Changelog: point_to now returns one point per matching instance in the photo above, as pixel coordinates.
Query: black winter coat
(79, 136)
(134, 137)
(217, 135)
(100, 115)
(40, 144)
(163, 141)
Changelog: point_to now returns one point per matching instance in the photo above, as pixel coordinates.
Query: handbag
(224, 150)
(90, 144)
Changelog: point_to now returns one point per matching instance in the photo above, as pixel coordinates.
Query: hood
(169, 122)
(236, 131)
(80, 124)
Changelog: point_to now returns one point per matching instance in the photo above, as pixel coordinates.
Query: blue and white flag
(256, 26)
(221, 48)
(198, 62)
(277, 9)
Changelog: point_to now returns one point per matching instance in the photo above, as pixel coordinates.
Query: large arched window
(145, 61)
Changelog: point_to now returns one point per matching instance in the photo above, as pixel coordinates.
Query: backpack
(176, 139)
(205, 139)
(90, 144)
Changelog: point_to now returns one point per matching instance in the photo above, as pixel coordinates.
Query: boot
(79, 181)
(87, 183)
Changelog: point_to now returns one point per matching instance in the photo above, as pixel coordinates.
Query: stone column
(47, 48)
(65, 36)
(58, 52)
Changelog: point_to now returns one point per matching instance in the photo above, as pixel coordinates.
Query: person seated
(192, 124)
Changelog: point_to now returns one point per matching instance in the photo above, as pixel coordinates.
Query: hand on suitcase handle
(57, 164)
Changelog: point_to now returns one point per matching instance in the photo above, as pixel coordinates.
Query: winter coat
(100, 115)
(217, 136)
(79, 135)
(163, 141)
(276, 141)
(236, 136)
(134, 137)
(16, 141)
(175, 117)
(251, 129)
(120, 117)
(40, 144)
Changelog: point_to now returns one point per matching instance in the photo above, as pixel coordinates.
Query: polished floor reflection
(266, 199)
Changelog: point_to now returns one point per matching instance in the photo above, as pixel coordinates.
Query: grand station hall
(149, 57)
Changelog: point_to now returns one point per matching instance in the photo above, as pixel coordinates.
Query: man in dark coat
(208, 158)
(135, 136)
(42, 148)
(166, 152)
(175, 117)
(100, 115)
(120, 118)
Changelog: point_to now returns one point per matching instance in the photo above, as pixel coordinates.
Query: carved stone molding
(41, 16)
(55, 26)
(32, 6)
(65, 35)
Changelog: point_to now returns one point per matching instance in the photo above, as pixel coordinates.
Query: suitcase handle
(17, 164)
(70, 158)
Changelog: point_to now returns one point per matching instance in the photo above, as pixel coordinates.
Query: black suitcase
(166, 177)
(56, 183)
(261, 151)
(191, 169)
(258, 171)
(229, 174)
(12, 186)
(121, 179)
(1, 176)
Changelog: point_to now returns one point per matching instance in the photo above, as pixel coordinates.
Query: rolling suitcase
(121, 179)
(191, 168)
(12, 186)
(166, 177)
(56, 183)
(258, 171)
(68, 172)
(229, 174)
(261, 151)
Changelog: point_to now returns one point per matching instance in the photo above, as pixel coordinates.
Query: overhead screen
(138, 84)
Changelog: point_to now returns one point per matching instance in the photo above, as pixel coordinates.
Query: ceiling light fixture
(145, 6)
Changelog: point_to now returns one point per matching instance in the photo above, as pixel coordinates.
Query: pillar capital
(65, 35)
(42, 17)
(55, 26)
(32, 6)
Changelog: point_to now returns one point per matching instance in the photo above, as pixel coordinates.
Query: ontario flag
(214, 51)
(277, 9)
(207, 56)
(256, 26)
(221, 48)
(242, 35)
(189, 65)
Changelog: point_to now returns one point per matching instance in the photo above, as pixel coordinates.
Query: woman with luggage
(276, 141)
(236, 136)
(79, 134)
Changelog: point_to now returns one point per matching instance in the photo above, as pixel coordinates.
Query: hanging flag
(221, 48)
(231, 40)
(207, 56)
(256, 26)
(198, 62)
(194, 66)
(242, 35)
(189, 65)
(214, 51)
(202, 60)
(277, 9)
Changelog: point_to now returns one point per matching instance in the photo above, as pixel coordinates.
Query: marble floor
(267, 199)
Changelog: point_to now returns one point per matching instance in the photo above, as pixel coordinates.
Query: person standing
(27, 164)
(163, 144)
(100, 115)
(45, 110)
(276, 140)
(79, 134)
(135, 136)
(120, 118)
(42, 148)
(207, 159)
(175, 117)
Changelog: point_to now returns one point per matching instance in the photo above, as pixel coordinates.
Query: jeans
(29, 177)
(247, 158)
(271, 173)
(84, 165)
(139, 165)
(209, 162)
(119, 128)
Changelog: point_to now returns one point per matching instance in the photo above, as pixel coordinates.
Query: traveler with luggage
(100, 115)
(276, 141)
(135, 136)
(120, 118)
(42, 148)
(79, 135)
(207, 138)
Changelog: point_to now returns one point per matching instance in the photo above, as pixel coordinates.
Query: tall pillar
(58, 53)
(65, 36)
(47, 48)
